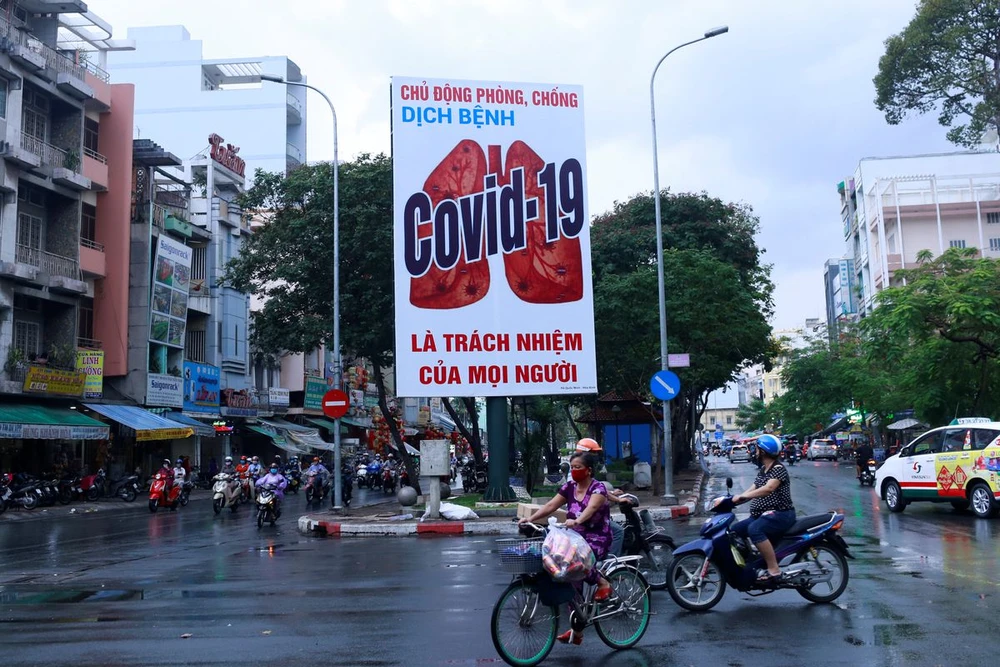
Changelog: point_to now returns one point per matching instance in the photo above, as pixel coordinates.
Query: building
(64, 230)
(758, 382)
(182, 99)
(894, 208)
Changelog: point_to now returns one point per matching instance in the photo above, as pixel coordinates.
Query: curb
(316, 525)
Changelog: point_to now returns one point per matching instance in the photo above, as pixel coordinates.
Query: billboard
(315, 387)
(491, 239)
(164, 390)
(201, 388)
(171, 284)
(91, 363)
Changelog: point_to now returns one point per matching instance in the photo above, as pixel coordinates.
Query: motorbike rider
(228, 468)
(167, 472)
(317, 468)
(771, 510)
(862, 455)
(180, 474)
(256, 469)
(243, 466)
(280, 482)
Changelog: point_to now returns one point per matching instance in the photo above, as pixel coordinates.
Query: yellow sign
(163, 434)
(91, 363)
(45, 380)
(955, 470)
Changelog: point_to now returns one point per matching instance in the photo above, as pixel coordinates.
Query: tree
(753, 416)
(289, 263)
(947, 58)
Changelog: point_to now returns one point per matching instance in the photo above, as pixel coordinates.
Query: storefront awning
(199, 428)
(147, 426)
(277, 437)
(35, 422)
(328, 424)
(300, 436)
(360, 423)
(411, 450)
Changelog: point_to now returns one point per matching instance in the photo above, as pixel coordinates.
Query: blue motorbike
(811, 554)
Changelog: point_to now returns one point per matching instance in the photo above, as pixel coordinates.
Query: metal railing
(89, 344)
(49, 154)
(53, 58)
(95, 155)
(54, 265)
(94, 245)
(160, 214)
(95, 70)
(194, 345)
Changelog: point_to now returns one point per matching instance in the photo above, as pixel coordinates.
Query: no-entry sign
(335, 403)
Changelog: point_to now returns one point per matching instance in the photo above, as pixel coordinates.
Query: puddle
(884, 611)
(891, 635)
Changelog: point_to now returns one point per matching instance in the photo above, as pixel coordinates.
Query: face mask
(274, 471)
(579, 474)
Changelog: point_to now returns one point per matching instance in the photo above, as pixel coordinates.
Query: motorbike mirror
(729, 482)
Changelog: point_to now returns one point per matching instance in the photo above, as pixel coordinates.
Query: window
(85, 325)
(956, 439)
(956, 243)
(983, 437)
(729, 420)
(35, 115)
(3, 98)
(995, 245)
(29, 231)
(88, 223)
(90, 134)
(199, 259)
(993, 218)
(26, 336)
(927, 444)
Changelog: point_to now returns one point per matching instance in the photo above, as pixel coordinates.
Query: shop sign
(315, 388)
(238, 403)
(45, 380)
(91, 364)
(371, 401)
(201, 387)
(165, 390)
(491, 239)
(171, 285)
(52, 432)
(226, 155)
(278, 397)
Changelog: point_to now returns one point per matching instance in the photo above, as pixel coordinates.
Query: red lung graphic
(544, 272)
(460, 173)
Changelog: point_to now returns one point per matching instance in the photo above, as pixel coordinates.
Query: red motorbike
(160, 497)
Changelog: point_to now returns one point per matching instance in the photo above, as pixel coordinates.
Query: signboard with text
(91, 364)
(314, 390)
(491, 236)
(171, 284)
(201, 387)
(164, 391)
(56, 381)
(237, 403)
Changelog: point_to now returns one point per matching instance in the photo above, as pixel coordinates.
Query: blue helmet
(769, 444)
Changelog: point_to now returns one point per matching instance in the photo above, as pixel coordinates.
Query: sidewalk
(391, 520)
(104, 507)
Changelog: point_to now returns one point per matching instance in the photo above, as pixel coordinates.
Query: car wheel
(982, 501)
(894, 496)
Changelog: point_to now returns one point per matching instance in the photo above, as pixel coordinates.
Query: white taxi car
(959, 463)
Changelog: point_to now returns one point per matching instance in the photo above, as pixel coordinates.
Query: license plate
(39, 492)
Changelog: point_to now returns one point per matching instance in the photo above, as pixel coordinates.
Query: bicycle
(525, 619)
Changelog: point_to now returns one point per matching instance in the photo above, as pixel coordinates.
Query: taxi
(958, 463)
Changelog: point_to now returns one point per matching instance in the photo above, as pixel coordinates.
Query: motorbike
(316, 488)
(22, 492)
(404, 476)
(226, 492)
(93, 485)
(127, 488)
(247, 488)
(791, 457)
(388, 480)
(361, 476)
(645, 539)
(867, 475)
(474, 478)
(200, 479)
(347, 484)
(267, 505)
(5, 494)
(294, 477)
(69, 488)
(811, 554)
(159, 496)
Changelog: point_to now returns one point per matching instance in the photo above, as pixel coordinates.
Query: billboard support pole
(499, 489)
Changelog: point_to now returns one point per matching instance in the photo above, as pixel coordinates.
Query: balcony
(95, 168)
(65, 165)
(89, 344)
(294, 110)
(17, 154)
(35, 55)
(92, 259)
(63, 272)
(293, 154)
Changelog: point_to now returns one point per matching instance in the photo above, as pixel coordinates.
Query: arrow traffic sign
(335, 403)
(665, 385)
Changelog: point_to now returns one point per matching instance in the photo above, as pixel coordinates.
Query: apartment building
(759, 382)
(894, 208)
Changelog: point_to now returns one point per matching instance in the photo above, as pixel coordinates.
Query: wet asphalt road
(122, 589)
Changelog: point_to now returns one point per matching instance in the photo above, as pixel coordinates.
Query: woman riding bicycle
(588, 513)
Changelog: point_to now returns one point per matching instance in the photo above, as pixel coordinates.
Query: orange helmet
(587, 445)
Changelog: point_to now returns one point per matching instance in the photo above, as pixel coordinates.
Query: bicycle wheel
(656, 561)
(632, 606)
(522, 628)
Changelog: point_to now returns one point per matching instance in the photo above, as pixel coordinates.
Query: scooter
(93, 485)
(347, 487)
(160, 497)
(388, 480)
(267, 505)
(316, 488)
(225, 493)
(645, 539)
(812, 556)
(127, 488)
(294, 477)
(867, 475)
(361, 475)
(69, 488)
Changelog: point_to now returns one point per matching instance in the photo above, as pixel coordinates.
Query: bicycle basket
(520, 555)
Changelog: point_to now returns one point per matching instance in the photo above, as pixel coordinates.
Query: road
(122, 589)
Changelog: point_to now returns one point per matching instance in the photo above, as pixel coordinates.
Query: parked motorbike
(159, 496)
(867, 475)
(645, 539)
(267, 505)
(316, 488)
(93, 485)
(5, 494)
(200, 479)
(24, 493)
(127, 488)
(474, 478)
(226, 492)
(69, 489)
(812, 556)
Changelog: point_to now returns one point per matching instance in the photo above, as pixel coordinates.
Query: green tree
(289, 262)
(753, 416)
(947, 58)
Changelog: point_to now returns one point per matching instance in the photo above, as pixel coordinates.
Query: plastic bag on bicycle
(566, 556)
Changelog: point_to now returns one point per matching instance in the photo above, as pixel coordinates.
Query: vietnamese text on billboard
(171, 284)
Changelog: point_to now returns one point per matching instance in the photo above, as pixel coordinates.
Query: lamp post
(338, 489)
(617, 410)
(668, 464)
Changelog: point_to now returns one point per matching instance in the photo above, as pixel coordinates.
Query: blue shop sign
(201, 387)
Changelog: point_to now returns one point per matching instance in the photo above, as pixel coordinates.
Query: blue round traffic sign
(665, 385)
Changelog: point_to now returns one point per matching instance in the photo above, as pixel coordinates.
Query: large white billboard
(491, 237)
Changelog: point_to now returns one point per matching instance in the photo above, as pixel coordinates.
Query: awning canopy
(328, 424)
(199, 428)
(443, 421)
(35, 422)
(412, 451)
(147, 426)
(904, 424)
(277, 437)
(360, 423)
(300, 436)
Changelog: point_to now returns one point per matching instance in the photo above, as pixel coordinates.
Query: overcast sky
(773, 114)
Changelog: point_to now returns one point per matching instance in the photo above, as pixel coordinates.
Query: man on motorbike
(180, 474)
(279, 481)
(227, 467)
(167, 473)
(771, 510)
(317, 468)
(862, 455)
(256, 469)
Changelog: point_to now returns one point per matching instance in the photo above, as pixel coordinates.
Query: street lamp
(668, 464)
(338, 490)
(617, 410)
